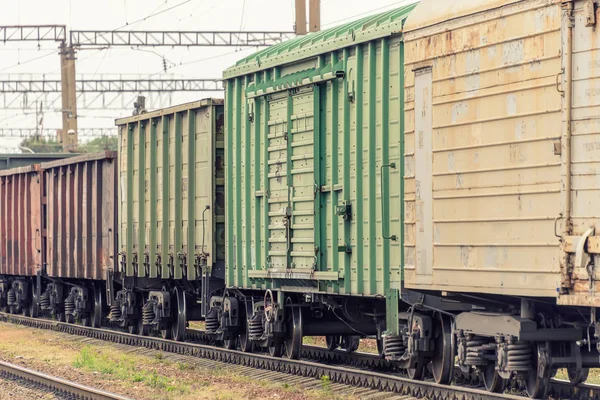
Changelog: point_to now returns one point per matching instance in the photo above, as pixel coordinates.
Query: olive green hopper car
(171, 200)
(314, 177)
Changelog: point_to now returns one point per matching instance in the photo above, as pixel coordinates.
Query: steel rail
(461, 389)
(56, 384)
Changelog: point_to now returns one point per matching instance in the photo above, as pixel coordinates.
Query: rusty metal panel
(171, 185)
(485, 163)
(21, 221)
(80, 206)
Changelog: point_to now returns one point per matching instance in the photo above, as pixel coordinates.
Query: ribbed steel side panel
(8, 161)
(21, 221)
(80, 215)
(304, 139)
(171, 190)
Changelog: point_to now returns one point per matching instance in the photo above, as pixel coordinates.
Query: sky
(39, 60)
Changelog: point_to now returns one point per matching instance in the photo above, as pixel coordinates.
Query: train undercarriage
(506, 341)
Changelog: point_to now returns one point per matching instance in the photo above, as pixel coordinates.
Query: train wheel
(293, 343)
(380, 348)
(230, 344)
(276, 350)
(179, 316)
(97, 307)
(246, 344)
(133, 328)
(69, 319)
(143, 330)
(349, 344)
(166, 333)
(417, 373)
(536, 386)
(442, 362)
(578, 376)
(492, 381)
(33, 305)
(332, 342)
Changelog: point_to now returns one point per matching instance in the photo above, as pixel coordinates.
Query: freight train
(426, 176)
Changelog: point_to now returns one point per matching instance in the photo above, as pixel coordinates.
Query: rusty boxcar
(171, 214)
(80, 198)
(21, 231)
(57, 233)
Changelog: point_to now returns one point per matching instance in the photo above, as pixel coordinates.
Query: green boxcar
(171, 191)
(314, 161)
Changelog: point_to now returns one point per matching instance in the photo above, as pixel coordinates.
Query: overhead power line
(176, 38)
(113, 85)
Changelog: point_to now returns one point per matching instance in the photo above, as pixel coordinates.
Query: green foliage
(124, 369)
(43, 145)
(100, 144)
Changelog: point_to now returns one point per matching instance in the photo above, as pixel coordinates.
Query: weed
(326, 383)
(159, 356)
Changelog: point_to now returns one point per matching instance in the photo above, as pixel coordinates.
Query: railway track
(355, 369)
(61, 387)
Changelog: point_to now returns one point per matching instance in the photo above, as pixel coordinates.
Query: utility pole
(314, 15)
(300, 17)
(69, 98)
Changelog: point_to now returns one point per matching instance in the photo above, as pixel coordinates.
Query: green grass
(124, 369)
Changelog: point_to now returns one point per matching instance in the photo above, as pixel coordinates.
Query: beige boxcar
(503, 148)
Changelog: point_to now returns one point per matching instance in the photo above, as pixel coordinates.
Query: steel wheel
(179, 315)
(492, 381)
(246, 344)
(276, 350)
(293, 342)
(133, 328)
(578, 376)
(416, 373)
(69, 319)
(97, 307)
(33, 305)
(536, 386)
(166, 333)
(349, 344)
(230, 344)
(442, 363)
(333, 342)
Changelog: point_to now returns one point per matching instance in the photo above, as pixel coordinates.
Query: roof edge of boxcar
(171, 110)
(433, 12)
(360, 31)
(20, 170)
(107, 154)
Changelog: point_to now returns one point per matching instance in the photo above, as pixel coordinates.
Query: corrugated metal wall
(296, 151)
(483, 175)
(81, 215)
(21, 221)
(167, 178)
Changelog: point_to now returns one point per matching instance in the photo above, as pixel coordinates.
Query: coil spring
(480, 351)
(11, 297)
(393, 346)
(148, 314)
(519, 356)
(115, 311)
(70, 304)
(45, 301)
(255, 326)
(212, 320)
